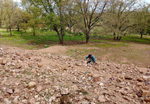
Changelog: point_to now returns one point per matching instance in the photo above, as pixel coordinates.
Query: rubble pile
(29, 77)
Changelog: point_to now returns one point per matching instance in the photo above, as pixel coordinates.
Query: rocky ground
(30, 77)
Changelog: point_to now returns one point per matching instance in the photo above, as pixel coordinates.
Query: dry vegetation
(123, 53)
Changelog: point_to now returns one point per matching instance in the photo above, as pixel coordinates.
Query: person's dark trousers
(88, 62)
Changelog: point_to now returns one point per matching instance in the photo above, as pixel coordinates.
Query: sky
(147, 1)
(143, 0)
(17, 0)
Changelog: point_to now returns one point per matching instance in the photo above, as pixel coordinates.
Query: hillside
(40, 77)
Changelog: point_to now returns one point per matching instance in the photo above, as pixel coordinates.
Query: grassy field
(45, 39)
(28, 41)
(131, 49)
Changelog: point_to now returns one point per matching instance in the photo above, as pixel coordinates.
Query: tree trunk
(7, 29)
(125, 34)
(141, 35)
(18, 27)
(60, 38)
(119, 38)
(61, 34)
(33, 31)
(114, 34)
(0, 23)
(87, 37)
(74, 30)
(10, 31)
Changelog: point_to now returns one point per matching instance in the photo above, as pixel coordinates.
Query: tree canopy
(118, 17)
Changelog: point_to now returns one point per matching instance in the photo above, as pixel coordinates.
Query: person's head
(90, 55)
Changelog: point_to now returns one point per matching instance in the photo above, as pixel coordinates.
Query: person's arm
(86, 57)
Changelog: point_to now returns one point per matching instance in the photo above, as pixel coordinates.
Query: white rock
(32, 101)
(102, 99)
(39, 88)
(146, 77)
(16, 99)
(7, 101)
(64, 91)
(10, 91)
(32, 84)
(25, 101)
(101, 84)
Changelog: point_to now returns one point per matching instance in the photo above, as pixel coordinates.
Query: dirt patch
(74, 42)
(53, 49)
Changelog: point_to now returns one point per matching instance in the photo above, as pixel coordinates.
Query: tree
(25, 19)
(118, 17)
(141, 19)
(70, 14)
(91, 12)
(1, 11)
(35, 18)
(34, 15)
(9, 14)
(54, 17)
(18, 18)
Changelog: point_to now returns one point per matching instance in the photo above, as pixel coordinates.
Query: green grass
(127, 38)
(109, 44)
(27, 40)
(137, 39)
(44, 39)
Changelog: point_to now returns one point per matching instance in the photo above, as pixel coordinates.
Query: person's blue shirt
(92, 59)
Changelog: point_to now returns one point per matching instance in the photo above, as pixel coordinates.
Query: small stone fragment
(16, 99)
(139, 93)
(7, 101)
(10, 91)
(32, 84)
(32, 101)
(126, 98)
(39, 88)
(102, 99)
(64, 91)
(128, 78)
(39, 65)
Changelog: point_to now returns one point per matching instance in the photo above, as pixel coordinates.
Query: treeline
(116, 17)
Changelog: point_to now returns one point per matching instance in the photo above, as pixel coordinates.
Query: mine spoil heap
(29, 77)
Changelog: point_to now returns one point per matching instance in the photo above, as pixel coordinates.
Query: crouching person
(91, 58)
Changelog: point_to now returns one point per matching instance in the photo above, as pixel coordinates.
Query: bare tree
(71, 15)
(1, 11)
(91, 11)
(118, 17)
(141, 19)
(10, 8)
